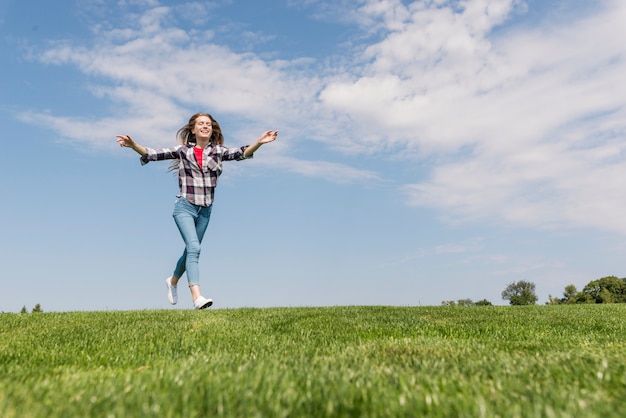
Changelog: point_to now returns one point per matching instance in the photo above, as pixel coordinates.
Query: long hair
(185, 135)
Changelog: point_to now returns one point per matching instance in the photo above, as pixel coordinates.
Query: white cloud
(334, 172)
(529, 124)
(525, 124)
(163, 71)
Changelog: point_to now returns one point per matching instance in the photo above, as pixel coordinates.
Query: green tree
(570, 295)
(465, 302)
(554, 300)
(37, 308)
(608, 289)
(520, 293)
(483, 302)
(24, 310)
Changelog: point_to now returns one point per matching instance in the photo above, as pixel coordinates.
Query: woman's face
(203, 128)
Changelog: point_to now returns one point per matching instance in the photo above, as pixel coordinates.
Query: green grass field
(534, 361)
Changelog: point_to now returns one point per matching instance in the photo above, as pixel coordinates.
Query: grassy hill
(535, 361)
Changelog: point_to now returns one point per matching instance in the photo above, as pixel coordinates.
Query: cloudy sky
(429, 150)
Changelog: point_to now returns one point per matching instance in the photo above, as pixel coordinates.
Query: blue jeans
(192, 222)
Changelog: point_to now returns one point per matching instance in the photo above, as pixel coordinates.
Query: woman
(199, 165)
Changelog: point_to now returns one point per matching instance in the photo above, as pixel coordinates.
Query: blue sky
(428, 150)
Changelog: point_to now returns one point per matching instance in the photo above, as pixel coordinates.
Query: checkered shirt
(197, 184)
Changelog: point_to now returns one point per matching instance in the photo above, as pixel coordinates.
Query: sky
(429, 150)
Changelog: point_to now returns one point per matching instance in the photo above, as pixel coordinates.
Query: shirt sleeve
(160, 154)
(236, 154)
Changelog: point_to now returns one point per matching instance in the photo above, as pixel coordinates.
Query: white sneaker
(202, 303)
(172, 291)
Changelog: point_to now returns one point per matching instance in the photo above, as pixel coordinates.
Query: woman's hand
(268, 136)
(127, 142)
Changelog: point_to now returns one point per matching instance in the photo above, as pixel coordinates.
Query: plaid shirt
(197, 184)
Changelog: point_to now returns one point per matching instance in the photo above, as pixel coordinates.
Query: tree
(465, 302)
(37, 308)
(520, 293)
(608, 289)
(483, 302)
(570, 295)
(24, 310)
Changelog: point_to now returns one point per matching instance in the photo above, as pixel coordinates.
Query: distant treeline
(608, 289)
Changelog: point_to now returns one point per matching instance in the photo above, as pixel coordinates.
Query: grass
(535, 361)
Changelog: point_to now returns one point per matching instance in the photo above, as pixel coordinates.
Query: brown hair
(186, 136)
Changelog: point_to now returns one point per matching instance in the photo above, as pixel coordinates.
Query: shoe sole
(206, 305)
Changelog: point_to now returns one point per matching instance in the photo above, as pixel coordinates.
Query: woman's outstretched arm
(127, 142)
(267, 137)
